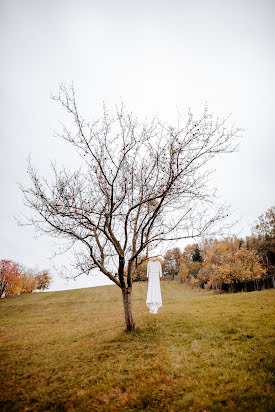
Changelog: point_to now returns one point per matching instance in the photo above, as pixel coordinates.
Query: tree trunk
(128, 311)
(3, 288)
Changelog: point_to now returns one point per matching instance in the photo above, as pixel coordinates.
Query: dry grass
(67, 351)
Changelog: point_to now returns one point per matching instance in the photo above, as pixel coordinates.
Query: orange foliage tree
(28, 282)
(16, 279)
(43, 280)
(189, 265)
(263, 240)
(172, 260)
(229, 261)
(9, 278)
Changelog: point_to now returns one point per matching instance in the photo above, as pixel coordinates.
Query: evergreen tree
(197, 257)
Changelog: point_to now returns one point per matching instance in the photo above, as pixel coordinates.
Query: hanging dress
(154, 272)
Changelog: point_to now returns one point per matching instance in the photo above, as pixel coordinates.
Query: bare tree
(140, 184)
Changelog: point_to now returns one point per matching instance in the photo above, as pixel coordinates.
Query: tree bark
(128, 311)
(3, 287)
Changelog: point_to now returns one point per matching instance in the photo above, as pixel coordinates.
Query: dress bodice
(154, 266)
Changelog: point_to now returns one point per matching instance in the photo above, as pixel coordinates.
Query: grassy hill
(67, 351)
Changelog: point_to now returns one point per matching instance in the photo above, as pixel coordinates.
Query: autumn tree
(140, 270)
(190, 264)
(28, 283)
(171, 264)
(140, 184)
(229, 261)
(263, 239)
(265, 227)
(9, 278)
(43, 280)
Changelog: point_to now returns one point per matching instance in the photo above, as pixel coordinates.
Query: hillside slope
(68, 351)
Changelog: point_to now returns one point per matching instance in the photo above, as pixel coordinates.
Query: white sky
(154, 55)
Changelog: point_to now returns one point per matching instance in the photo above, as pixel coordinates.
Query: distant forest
(229, 265)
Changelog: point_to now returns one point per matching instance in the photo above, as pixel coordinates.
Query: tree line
(15, 279)
(231, 264)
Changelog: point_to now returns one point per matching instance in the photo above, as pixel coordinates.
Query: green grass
(67, 351)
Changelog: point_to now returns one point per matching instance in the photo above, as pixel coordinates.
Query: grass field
(67, 351)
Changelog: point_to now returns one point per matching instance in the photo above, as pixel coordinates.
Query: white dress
(154, 272)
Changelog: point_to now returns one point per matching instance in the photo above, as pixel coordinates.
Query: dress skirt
(153, 300)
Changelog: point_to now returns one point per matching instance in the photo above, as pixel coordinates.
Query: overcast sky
(155, 55)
